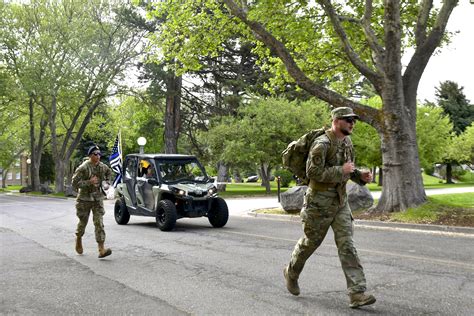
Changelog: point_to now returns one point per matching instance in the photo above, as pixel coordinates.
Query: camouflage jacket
(81, 181)
(324, 164)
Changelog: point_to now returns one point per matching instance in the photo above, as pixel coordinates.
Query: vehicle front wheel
(121, 214)
(166, 215)
(219, 213)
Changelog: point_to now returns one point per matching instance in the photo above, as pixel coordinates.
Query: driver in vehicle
(147, 172)
(150, 172)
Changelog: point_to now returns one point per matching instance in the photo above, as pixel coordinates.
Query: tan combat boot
(291, 284)
(360, 299)
(79, 249)
(104, 252)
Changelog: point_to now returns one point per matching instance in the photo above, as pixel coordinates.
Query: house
(17, 174)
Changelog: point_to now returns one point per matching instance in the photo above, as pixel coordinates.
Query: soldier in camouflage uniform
(329, 166)
(90, 179)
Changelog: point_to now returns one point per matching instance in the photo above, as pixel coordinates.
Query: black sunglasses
(97, 154)
(350, 120)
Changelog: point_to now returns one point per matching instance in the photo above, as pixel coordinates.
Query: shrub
(458, 172)
(429, 170)
(285, 176)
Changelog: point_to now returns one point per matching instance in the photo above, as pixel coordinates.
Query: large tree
(70, 57)
(261, 130)
(318, 41)
(13, 134)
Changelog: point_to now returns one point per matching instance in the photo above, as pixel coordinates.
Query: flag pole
(120, 144)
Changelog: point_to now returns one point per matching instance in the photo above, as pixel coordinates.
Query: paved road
(200, 270)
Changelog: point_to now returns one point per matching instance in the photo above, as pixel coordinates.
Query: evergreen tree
(455, 104)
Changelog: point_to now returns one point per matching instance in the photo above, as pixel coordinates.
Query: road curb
(378, 224)
(428, 227)
(45, 196)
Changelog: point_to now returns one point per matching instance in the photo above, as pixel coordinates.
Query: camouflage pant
(83, 209)
(320, 211)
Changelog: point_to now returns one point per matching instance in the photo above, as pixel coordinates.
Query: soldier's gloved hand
(348, 168)
(105, 185)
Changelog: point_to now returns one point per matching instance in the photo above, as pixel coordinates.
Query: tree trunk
(58, 163)
(402, 182)
(4, 178)
(36, 146)
(69, 173)
(221, 176)
(265, 175)
(59, 168)
(449, 173)
(380, 177)
(34, 184)
(374, 172)
(172, 113)
(237, 177)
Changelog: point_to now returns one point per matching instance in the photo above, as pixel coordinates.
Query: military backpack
(296, 154)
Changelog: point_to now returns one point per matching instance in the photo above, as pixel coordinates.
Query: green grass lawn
(255, 189)
(249, 189)
(446, 209)
(431, 182)
(12, 188)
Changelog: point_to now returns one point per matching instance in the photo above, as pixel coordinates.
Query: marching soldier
(329, 167)
(91, 178)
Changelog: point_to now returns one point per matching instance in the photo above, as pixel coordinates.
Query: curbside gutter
(379, 225)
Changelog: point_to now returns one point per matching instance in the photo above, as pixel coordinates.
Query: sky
(456, 61)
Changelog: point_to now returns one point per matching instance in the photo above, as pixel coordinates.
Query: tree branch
(354, 58)
(423, 53)
(421, 23)
(367, 114)
(348, 19)
(372, 40)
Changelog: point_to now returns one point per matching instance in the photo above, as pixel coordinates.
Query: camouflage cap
(343, 112)
(92, 149)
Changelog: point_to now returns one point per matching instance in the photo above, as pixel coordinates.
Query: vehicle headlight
(178, 191)
(212, 190)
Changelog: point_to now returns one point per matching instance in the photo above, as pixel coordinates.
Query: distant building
(17, 174)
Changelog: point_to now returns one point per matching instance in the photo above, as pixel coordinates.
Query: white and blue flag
(115, 160)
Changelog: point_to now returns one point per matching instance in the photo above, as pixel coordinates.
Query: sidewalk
(379, 225)
(247, 206)
(376, 194)
(242, 206)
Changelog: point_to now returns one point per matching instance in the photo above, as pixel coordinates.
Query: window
(172, 171)
(131, 169)
(18, 175)
(9, 176)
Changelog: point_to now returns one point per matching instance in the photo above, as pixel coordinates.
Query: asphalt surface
(235, 270)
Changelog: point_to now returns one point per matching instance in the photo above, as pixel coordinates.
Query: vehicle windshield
(181, 170)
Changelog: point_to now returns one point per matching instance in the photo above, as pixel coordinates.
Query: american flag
(115, 160)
